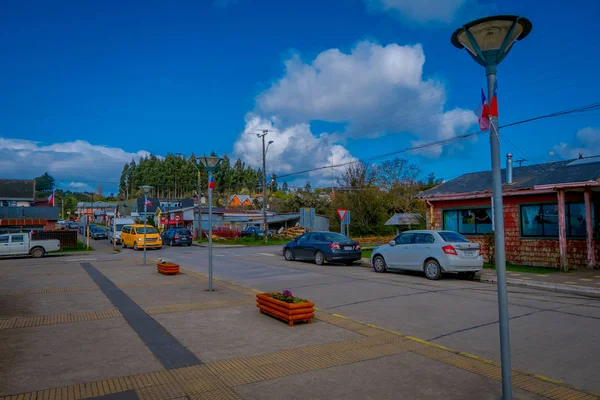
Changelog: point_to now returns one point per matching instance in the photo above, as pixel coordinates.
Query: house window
(472, 221)
(542, 220)
(5, 203)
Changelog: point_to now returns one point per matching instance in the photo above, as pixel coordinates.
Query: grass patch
(80, 247)
(524, 268)
(367, 253)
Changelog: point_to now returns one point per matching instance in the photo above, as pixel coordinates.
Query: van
(114, 234)
(133, 236)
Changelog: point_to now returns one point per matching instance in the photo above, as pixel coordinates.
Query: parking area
(92, 325)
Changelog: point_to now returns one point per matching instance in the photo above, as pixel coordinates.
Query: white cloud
(419, 10)
(374, 89)
(69, 161)
(294, 148)
(80, 187)
(587, 142)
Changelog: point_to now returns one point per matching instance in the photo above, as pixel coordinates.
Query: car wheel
(38, 252)
(467, 275)
(432, 270)
(135, 247)
(319, 258)
(158, 248)
(289, 255)
(379, 264)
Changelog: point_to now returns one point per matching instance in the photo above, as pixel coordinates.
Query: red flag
(211, 184)
(51, 200)
(494, 106)
(484, 120)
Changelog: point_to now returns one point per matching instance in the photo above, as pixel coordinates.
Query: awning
(23, 222)
(134, 214)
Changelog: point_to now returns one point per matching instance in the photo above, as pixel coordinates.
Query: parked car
(133, 236)
(114, 232)
(82, 229)
(433, 252)
(20, 244)
(98, 232)
(177, 236)
(72, 225)
(323, 247)
(223, 232)
(255, 231)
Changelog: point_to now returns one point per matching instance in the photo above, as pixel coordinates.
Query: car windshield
(120, 227)
(100, 229)
(183, 232)
(453, 237)
(335, 237)
(148, 230)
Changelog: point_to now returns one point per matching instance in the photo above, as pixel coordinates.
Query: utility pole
(264, 183)
(521, 161)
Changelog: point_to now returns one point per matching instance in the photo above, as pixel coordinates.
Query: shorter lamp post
(210, 163)
(146, 190)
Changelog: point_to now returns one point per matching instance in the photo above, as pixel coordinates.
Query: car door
(126, 235)
(301, 249)
(17, 245)
(396, 256)
(4, 245)
(419, 250)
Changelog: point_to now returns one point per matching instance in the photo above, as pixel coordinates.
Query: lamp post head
(210, 163)
(146, 189)
(489, 40)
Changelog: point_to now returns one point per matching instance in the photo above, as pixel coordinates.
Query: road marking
(267, 254)
(82, 259)
(571, 283)
(585, 279)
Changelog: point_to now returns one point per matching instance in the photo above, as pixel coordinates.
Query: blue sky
(86, 86)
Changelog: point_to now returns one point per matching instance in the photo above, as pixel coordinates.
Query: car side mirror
(392, 243)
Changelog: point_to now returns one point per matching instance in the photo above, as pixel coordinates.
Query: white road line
(266, 254)
(82, 259)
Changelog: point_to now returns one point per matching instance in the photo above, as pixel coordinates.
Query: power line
(593, 106)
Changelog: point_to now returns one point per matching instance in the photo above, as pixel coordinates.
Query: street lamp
(488, 41)
(146, 190)
(210, 163)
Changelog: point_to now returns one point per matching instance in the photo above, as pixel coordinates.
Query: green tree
(44, 183)
(284, 187)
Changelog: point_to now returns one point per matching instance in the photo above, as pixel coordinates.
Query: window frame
(458, 209)
(567, 221)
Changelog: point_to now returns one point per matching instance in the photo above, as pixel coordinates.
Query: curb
(549, 287)
(220, 246)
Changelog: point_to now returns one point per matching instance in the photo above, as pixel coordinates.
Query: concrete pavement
(98, 325)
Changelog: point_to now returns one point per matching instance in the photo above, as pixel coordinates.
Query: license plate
(469, 253)
(348, 248)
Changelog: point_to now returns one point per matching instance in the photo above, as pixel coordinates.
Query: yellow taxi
(133, 236)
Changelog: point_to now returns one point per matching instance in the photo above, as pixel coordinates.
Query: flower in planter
(287, 297)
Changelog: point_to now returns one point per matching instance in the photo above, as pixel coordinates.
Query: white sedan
(433, 252)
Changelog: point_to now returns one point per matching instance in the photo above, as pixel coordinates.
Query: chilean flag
(484, 120)
(51, 200)
(494, 106)
(211, 184)
(147, 203)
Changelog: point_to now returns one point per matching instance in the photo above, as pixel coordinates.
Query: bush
(489, 240)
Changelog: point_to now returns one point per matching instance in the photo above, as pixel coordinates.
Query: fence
(68, 239)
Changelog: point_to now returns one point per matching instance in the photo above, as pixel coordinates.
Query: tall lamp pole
(146, 190)
(488, 41)
(264, 181)
(210, 163)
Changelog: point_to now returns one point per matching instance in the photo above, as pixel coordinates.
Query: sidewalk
(582, 282)
(90, 329)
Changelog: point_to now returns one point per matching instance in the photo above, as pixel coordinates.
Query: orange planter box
(168, 269)
(288, 312)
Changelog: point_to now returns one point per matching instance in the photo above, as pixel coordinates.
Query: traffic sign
(177, 218)
(341, 213)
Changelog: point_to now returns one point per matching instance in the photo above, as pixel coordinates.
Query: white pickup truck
(20, 244)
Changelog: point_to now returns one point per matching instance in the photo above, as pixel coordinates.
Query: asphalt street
(552, 334)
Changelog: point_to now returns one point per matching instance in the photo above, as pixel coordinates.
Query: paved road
(552, 334)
